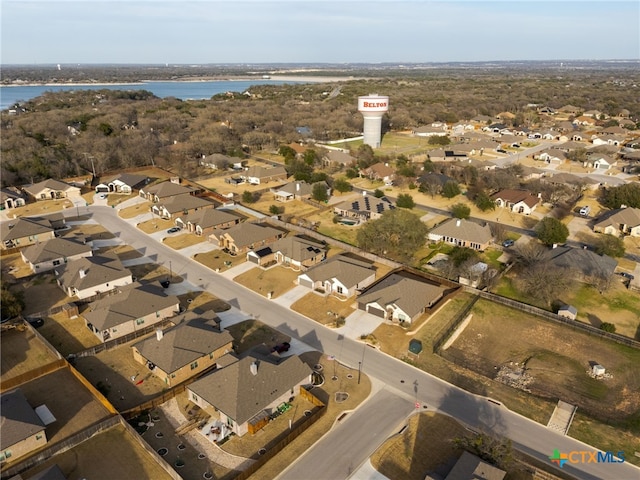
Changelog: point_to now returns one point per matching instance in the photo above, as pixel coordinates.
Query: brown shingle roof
(18, 419)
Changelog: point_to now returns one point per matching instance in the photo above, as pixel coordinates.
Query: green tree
(397, 234)
(460, 210)
(342, 185)
(310, 157)
(439, 140)
(319, 192)
(609, 245)
(405, 201)
(276, 210)
(287, 152)
(484, 202)
(551, 230)
(608, 327)
(247, 197)
(11, 304)
(378, 193)
(459, 255)
(450, 189)
(627, 194)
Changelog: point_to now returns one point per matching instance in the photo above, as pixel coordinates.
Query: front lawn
(275, 280)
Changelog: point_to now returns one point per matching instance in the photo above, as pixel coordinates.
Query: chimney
(82, 273)
(254, 368)
(159, 334)
(457, 222)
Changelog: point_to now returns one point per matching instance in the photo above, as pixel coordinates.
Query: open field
(94, 459)
(275, 280)
(323, 309)
(617, 305)
(555, 356)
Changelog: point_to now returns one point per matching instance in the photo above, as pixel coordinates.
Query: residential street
(384, 411)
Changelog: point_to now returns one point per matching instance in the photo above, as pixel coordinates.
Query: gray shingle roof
(298, 249)
(246, 234)
(55, 248)
(464, 230)
(168, 189)
(132, 302)
(623, 216)
(586, 262)
(25, 227)
(240, 394)
(411, 295)
(18, 419)
(87, 272)
(193, 337)
(186, 202)
(346, 270)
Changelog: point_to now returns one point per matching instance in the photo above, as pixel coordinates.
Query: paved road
(402, 381)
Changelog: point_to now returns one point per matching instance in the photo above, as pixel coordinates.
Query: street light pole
(359, 371)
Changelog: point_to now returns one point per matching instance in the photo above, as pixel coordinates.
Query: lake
(9, 95)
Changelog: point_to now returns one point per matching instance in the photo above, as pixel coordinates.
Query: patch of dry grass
(217, 260)
(67, 335)
(134, 210)
(44, 207)
(317, 307)
(155, 225)
(183, 240)
(276, 280)
(203, 301)
(22, 351)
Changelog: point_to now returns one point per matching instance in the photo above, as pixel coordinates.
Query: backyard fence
(290, 437)
(589, 329)
(446, 331)
(32, 374)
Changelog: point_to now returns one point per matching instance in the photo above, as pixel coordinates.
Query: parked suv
(584, 211)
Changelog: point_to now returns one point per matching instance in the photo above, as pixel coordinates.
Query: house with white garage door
(340, 275)
(400, 298)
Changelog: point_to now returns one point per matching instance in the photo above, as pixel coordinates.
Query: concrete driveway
(359, 323)
(291, 296)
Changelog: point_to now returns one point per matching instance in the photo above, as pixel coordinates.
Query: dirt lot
(94, 459)
(317, 307)
(555, 356)
(276, 280)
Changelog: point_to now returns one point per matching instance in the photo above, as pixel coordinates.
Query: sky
(316, 31)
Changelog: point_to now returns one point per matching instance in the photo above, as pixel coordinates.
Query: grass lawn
(44, 207)
(183, 240)
(317, 307)
(276, 280)
(152, 272)
(67, 335)
(219, 260)
(124, 252)
(22, 351)
(41, 293)
(93, 231)
(135, 210)
(250, 333)
(203, 301)
(155, 225)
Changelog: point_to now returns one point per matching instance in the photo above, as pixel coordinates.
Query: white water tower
(373, 107)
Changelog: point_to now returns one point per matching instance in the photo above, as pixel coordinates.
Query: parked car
(173, 230)
(281, 347)
(501, 150)
(626, 275)
(584, 211)
(508, 243)
(165, 283)
(36, 322)
(103, 196)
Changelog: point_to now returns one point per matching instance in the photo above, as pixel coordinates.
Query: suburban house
(601, 162)
(218, 161)
(364, 208)
(379, 171)
(89, 276)
(133, 307)
(26, 231)
(52, 189)
(340, 275)
(161, 191)
(568, 311)
(462, 233)
(582, 264)
(551, 155)
(297, 190)
(181, 352)
(54, 252)
(11, 198)
(123, 183)
(429, 131)
(204, 222)
(258, 174)
(245, 236)
(400, 298)
(295, 252)
(23, 431)
(470, 466)
(622, 221)
(244, 392)
(337, 158)
(518, 201)
(171, 207)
